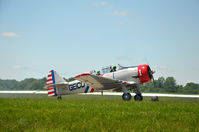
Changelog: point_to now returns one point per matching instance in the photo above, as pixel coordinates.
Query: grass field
(33, 112)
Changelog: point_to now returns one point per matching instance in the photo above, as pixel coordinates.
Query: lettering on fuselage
(76, 86)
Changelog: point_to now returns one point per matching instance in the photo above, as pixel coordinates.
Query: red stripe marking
(102, 75)
(124, 82)
(49, 84)
(49, 80)
(84, 74)
(92, 90)
(50, 88)
(51, 92)
(50, 75)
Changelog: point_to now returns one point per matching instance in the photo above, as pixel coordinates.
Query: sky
(73, 37)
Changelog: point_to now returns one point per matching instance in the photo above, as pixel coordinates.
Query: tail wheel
(138, 97)
(59, 97)
(126, 96)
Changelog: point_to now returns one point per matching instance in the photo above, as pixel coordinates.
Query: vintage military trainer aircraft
(109, 78)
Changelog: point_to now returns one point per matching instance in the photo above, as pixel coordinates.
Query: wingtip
(84, 74)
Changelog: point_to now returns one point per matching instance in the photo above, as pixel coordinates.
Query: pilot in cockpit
(98, 73)
(114, 68)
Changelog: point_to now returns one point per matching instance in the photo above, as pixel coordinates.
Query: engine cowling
(144, 73)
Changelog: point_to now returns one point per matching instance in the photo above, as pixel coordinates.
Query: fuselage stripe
(86, 90)
(113, 76)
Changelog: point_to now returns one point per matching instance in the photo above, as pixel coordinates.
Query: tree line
(169, 85)
(161, 85)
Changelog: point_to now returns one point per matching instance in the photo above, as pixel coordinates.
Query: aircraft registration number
(76, 86)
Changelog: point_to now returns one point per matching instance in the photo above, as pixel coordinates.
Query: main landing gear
(138, 97)
(127, 96)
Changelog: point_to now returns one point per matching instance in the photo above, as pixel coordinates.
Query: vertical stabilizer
(50, 81)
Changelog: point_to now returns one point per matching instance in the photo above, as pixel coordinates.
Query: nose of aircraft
(145, 73)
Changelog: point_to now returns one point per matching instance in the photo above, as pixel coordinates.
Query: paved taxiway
(109, 93)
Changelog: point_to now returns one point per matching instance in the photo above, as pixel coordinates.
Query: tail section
(50, 81)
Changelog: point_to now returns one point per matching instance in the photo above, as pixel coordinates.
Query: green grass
(96, 113)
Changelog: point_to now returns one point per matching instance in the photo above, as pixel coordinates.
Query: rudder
(50, 81)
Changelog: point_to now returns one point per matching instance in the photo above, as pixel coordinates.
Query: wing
(101, 83)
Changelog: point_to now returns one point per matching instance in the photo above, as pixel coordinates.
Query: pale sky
(73, 37)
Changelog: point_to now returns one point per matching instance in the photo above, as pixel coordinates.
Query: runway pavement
(108, 93)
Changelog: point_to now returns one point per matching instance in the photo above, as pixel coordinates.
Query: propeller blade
(152, 72)
(153, 81)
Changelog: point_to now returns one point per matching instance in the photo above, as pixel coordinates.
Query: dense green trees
(8, 84)
(26, 84)
(163, 85)
(191, 88)
(169, 85)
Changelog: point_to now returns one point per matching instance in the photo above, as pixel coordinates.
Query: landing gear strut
(126, 96)
(59, 97)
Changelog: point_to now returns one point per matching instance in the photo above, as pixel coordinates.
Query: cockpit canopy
(106, 69)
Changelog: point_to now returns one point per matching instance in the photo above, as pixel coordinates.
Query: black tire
(126, 96)
(138, 97)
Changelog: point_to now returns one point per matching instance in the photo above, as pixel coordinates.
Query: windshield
(106, 70)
